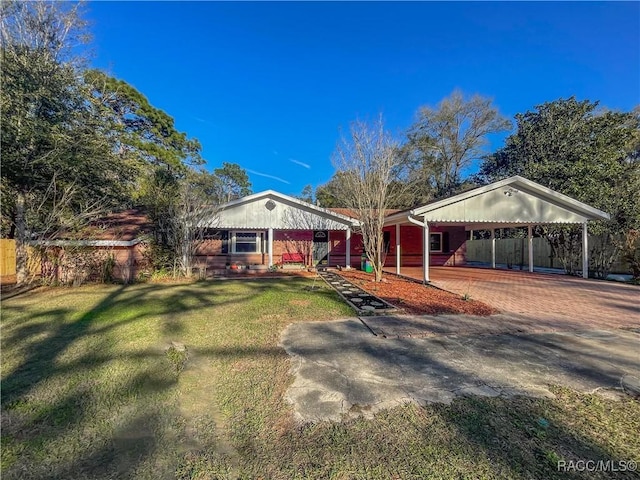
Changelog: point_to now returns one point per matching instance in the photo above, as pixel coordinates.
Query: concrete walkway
(553, 299)
(342, 369)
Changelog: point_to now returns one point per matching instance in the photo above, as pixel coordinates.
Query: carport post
(530, 238)
(585, 251)
(493, 248)
(425, 252)
(270, 244)
(398, 249)
(348, 259)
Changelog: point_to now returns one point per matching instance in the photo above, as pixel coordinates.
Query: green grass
(96, 384)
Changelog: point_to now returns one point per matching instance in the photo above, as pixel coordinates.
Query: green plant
(467, 295)
(631, 252)
(108, 265)
(142, 277)
(178, 356)
(160, 274)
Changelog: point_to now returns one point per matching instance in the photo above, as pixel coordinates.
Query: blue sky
(270, 85)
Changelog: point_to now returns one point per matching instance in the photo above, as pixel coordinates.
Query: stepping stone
(368, 308)
(377, 304)
(356, 300)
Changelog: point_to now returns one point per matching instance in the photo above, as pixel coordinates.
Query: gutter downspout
(414, 221)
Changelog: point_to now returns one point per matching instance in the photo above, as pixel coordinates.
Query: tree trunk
(378, 271)
(21, 239)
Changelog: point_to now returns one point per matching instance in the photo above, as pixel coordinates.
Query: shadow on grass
(44, 336)
(529, 438)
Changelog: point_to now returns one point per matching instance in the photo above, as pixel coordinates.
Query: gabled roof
(324, 212)
(271, 209)
(537, 204)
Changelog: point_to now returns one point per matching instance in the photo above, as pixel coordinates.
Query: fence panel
(7, 260)
(514, 251)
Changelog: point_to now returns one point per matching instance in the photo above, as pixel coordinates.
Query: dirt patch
(206, 428)
(415, 298)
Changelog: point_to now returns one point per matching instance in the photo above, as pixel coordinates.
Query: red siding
(411, 246)
(298, 241)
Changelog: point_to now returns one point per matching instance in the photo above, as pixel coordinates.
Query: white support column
(493, 248)
(348, 259)
(398, 257)
(425, 252)
(270, 246)
(530, 239)
(585, 251)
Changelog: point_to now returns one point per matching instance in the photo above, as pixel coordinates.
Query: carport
(513, 202)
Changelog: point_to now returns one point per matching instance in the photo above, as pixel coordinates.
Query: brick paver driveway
(553, 299)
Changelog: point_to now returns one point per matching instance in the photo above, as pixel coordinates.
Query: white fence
(515, 252)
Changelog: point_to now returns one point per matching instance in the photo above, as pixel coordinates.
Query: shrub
(631, 251)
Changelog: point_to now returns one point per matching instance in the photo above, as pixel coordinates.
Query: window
(246, 242)
(435, 242)
(386, 241)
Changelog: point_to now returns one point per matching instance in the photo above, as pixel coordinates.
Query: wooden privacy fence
(7, 260)
(515, 252)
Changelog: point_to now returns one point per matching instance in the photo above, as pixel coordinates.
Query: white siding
(496, 207)
(254, 215)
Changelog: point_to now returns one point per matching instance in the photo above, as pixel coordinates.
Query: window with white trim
(246, 242)
(435, 242)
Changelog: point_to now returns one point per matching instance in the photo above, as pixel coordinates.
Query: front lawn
(187, 381)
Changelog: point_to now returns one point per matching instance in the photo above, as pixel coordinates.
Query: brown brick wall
(68, 264)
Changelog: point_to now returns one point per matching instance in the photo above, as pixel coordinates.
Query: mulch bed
(415, 298)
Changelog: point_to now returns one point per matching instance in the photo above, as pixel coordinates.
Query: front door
(321, 247)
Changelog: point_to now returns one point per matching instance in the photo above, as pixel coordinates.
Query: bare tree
(60, 211)
(181, 209)
(194, 214)
(370, 171)
(445, 139)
